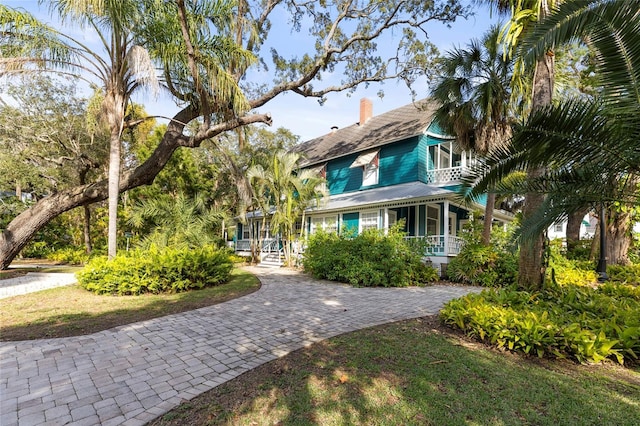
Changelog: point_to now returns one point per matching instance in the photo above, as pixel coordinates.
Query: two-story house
(393, 166)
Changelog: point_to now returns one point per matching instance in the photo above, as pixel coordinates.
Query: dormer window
(369, 162)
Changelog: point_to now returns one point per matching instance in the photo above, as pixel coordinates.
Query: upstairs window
(445, 156)
(370, 175)
(368, 161)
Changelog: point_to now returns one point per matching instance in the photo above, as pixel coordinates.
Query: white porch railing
(437, 246)
(243, 245)
(269, 245)
(445, 175)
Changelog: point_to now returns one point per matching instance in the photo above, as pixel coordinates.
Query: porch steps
(272, 260)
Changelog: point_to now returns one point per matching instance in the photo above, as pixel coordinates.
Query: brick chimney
(366, 110)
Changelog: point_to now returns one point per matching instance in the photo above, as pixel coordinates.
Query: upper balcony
(447, 163)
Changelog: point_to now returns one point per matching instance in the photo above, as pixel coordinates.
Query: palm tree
(288, 191)
(131, 34)
(177, 221)
(118, 68)
(474, 95)
(589, 146)
(524, 15)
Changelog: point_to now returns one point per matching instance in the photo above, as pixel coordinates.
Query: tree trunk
(24, 226)
(115, 106)
(87, 229)
(574, 222)
(595, 242)
(488, 218)
(618, 237)
(531, 269)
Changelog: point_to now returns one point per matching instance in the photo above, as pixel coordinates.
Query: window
(557, 227)
(368, 220)
(245, 232)
(331, 224)
(328, 223)
(316, 224)
(370, 174)
(444, 156)
(368, 161)
(433, 215)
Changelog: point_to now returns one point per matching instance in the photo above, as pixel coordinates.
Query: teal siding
(398, 163)
(435, 128)
(341, 178)
(424, 160)
(350, 223)
(239, 231)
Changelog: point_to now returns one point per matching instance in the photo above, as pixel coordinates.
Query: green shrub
(36, 250)
(483, 265)
(629, 274)
(70, 255)
(167, 270)
(495, 265)
(586, 324)
(370, 259)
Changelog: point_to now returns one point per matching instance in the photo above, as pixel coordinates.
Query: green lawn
(73, 311)
(407, 373)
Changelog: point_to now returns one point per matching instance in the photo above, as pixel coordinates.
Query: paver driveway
(132, 374)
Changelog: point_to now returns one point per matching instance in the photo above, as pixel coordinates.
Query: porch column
(446, 227)
(385, 222)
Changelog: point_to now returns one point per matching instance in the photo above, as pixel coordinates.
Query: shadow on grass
(406, 373)
(73, 311)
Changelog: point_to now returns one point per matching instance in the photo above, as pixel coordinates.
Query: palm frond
(612, 27)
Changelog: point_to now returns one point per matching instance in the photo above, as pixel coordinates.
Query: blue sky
(304, 116)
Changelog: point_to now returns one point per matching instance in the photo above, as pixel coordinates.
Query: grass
(412, 373)
(73, 311)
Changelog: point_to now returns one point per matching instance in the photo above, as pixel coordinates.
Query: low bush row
(369, 259)
(582, 323)
(167, 270)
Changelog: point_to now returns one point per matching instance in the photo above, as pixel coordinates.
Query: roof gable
(395, 125)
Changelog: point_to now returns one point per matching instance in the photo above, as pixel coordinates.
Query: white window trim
(361, 217)
(370, 174)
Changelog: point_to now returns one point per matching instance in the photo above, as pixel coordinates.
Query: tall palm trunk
(530, 267)
(114, 105)
(488, 218)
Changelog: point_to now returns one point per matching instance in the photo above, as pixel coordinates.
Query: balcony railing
(445, 175)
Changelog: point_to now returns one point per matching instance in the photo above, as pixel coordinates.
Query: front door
(453, 221)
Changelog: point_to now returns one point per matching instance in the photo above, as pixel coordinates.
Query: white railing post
(446, 227)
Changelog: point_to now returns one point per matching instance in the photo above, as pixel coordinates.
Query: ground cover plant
(582, 323)
(166, 270)
(74, 311)
(369, 259)
(415, 373)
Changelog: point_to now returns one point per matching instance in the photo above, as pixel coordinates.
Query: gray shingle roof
(387, 194)
(401, 123)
